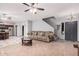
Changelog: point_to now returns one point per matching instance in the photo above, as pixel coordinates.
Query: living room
(51, 28)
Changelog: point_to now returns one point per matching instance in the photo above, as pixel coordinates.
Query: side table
(76, 46)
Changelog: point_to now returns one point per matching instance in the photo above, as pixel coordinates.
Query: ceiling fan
(33, 8)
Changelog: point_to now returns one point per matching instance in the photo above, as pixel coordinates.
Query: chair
(76, 46)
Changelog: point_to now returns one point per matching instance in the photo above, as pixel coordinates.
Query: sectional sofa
(46, 36)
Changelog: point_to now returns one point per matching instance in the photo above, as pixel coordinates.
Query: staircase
(52, 22)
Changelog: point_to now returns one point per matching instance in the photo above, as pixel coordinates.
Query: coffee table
(27, 41)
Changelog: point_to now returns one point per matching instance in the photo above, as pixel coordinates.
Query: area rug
(11, 41)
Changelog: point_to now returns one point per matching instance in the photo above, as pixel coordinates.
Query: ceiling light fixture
(33, 10)
(71, 17)
(5, 17)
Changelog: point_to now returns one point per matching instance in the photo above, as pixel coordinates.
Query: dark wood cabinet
(4, 31)
(4, 35)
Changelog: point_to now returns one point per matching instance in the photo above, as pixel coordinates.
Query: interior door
(71, 31)
(67, 31)
(74, 31)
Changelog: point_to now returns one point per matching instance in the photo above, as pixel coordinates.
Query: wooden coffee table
(27, 41)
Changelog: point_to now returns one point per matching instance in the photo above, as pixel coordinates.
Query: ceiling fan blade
(25, 4)
(41, 9)
(26, 10)
(32, 4)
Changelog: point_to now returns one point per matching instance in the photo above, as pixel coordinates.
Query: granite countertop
(4, 32)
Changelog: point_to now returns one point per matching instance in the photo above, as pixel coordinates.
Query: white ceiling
(16, 10)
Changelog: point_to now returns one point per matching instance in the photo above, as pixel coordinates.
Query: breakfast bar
(4, 35)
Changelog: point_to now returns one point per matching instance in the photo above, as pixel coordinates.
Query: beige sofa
(46, 36)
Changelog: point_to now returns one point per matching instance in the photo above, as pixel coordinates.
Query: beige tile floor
(59, 48)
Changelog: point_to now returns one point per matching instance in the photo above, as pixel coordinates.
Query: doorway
(71, 31)
(16, 30)
(22, 30)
